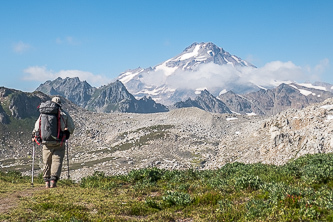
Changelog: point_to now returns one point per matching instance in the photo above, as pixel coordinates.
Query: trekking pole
(67, 161)
(33, 164)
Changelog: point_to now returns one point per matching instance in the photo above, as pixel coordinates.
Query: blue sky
(97, 40)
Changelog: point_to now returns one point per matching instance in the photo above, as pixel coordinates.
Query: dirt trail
(11, 200)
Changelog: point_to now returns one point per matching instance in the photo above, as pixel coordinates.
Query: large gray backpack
(50, 122)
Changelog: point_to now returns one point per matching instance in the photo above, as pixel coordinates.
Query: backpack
(50, 122)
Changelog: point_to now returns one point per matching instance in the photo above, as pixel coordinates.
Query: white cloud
(59, 41)
(274, 72)
(21, 47)
(208, 75)
(252, 59)
(154, 78)
(216, 76)
(278, 71)
(315, 73)
(319, 70)
(322, 66)
(68, 40)
(42, 74)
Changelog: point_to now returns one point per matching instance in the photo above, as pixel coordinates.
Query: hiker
(52, 136)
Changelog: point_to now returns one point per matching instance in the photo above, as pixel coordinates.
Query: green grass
(298, 191)
(150, 134)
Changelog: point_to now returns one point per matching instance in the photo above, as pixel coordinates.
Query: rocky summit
(79, 92)
(183, 75)
(181, 138)
(112, 97)
(205, 101)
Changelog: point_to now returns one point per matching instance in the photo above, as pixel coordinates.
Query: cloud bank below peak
(212, 75)
(208, 75)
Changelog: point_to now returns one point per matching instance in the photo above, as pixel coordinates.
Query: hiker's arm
(36, 129)
(67, 124)
(70, 124)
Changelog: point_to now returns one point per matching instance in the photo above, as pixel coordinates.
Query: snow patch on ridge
(191, 54)
(305, 92)
(309, 85)
(127, 76)
(223, 92)
(235, 58)
(164, 68)
(198, 90)
(200, 58)
(156, 91)
(279, 82)
(210, 52)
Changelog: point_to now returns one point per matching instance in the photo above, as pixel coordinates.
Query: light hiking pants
(52, 159)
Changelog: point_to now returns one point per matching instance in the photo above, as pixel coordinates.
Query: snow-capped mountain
(200, 66)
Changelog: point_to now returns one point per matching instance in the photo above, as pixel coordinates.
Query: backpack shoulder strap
(59, 123)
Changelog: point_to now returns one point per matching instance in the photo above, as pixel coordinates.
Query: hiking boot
(53, 184)
(47, 184)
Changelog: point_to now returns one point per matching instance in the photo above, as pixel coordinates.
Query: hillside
(179, 139)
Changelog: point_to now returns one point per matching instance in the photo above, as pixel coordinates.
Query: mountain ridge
(113, 97)
(184, 138)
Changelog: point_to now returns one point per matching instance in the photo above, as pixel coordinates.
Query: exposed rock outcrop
(272, 101)
(4, 118)
(73, 89)
(113, 97)
(240, 104)
(205, 101)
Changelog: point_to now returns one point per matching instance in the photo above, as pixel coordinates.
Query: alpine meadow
(175, 111)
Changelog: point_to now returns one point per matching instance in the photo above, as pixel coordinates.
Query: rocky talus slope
(287, 135)
(193, 138)
(189, 138)
(179, 139)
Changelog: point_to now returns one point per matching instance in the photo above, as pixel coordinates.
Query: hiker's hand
(66, 132)
(33, 139)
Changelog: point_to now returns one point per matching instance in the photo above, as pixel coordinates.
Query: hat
(56, 100)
